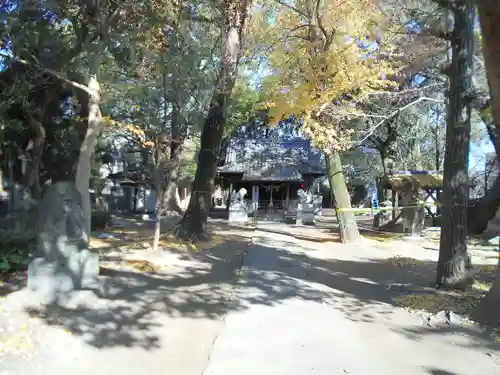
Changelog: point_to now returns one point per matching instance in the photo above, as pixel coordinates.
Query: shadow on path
(131, 306)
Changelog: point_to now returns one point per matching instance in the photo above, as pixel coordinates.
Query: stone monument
(317, 201)
(238, 212)
(384, 216)
(412, 212)
(305, 208)
(62, 262)
(413, 220)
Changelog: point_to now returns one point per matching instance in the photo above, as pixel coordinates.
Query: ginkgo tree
(326, 53)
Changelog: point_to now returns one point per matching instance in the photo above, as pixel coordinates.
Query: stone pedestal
(50, 279)
(238, 213)
(318, 204)
(305, 213)
(413, 220)
(381, 219)
(63, 263)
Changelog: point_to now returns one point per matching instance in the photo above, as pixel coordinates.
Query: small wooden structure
(428, 182)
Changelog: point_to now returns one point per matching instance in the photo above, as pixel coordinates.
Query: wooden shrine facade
(271, 170)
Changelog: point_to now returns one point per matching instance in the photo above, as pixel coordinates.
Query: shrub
(15, 247)
(99, 220)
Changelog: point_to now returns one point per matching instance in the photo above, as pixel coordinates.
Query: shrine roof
(424, 179)
(272, 160)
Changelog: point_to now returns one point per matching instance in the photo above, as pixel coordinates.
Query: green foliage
(17, 239)
(99, 220)
(12, 260)
(245, 101)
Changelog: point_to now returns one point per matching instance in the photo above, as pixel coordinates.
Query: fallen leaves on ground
(431, 300)
(169, 241)
(399, 261)
(16, 339)
(380, 236)
(136, 240)
(142, 265)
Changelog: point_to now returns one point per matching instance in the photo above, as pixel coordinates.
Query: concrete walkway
(288, 319)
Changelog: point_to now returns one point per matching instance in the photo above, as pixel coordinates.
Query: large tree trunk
(347, 220)
(488, 310)
(488, 15)
(178, 136)
(38, 146)
(160, 194)
(32, 176)
(453, 265)
(193, 224)
(87, 147)
(171, 194)
(484, 210)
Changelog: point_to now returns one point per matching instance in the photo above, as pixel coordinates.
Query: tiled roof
(272, 160)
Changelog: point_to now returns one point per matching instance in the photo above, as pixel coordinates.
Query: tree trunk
(484, 210)
(488, 310)
(171, 195)
(32, 177)
(87, 147)
(193, 224)
(37, 160)
(489, 16)
(347, 220)
(487, 206)
(178, 136)
(160, 193)
(454, 263)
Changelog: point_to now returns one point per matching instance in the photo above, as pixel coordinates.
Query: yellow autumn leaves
(130, 128)
(327, 48)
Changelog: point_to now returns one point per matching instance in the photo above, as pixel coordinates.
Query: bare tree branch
(395, 113)
(51, 72)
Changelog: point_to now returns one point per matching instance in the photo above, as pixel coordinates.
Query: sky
(477, 154)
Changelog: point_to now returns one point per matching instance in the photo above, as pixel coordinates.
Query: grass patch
(398, 261)
(431, 302)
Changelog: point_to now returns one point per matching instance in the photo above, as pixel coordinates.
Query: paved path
(293, 324)
(293, 310)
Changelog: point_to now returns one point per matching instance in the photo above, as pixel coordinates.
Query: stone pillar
(287, 197)
(63, 262)
(255, 199)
